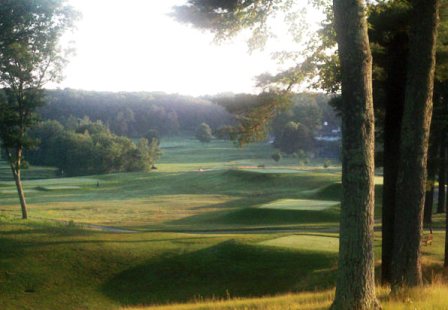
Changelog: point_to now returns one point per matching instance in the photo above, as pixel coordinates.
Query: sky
(134, 45)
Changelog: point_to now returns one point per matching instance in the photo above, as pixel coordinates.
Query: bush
(204, 133)
(276, 156)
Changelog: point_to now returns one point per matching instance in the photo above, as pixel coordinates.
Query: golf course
(213, 227)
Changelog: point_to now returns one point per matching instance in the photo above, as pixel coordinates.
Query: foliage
(90, 149)
(153, 134)
(29, 58)
(254, 114)
(294, 137)
(134, 114)
(276, 156)
(204, 133)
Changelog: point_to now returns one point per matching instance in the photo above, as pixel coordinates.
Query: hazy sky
(133, 45)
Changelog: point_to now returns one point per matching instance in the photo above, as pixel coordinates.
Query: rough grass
(432, 297)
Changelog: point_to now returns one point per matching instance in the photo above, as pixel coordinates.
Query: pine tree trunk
(441, 201)
(355, 287)
(395, 93)
(445, 264)
(411, 182)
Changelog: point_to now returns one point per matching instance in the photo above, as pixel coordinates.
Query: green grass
(300, 205)
(177, 253)
(178, 196)
(306, 242)
(43, 264)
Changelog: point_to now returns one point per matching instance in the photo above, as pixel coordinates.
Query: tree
(412, 173)
(148, 153)
(153, 134)
(204, 133)
(355, 286)
(29, 57)
(294, 137)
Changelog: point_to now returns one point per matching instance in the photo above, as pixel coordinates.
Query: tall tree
(411, 180)
(389, 39)
(355, 287)
(29, 57)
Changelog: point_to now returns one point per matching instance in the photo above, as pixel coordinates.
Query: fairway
(197, 186)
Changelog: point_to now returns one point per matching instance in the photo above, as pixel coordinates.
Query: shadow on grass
(257, 216)
(227, 269)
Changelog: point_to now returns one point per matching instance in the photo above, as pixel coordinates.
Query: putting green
(299, 204)
(320, 243)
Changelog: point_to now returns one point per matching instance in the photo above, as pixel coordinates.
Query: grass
(43, 263)
(180, 196)
(431, 297)
(179, 256)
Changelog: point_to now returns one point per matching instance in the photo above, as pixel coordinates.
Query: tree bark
(441, 201)
(395, 94)
(411, 181)
(430, 185)
(355, 288)
(429, 201)
(16, 172)
(445, 264)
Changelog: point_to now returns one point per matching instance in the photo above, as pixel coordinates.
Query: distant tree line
(89, 148)
(134, 114)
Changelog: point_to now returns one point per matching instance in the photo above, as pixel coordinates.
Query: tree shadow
(226, 269)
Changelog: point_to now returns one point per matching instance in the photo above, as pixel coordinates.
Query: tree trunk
(411, 181)
(355, 287)
(441, 201)
(429, 195)
(16, 172)
(429, 202)
(445, 264)
(395, 93)
(21, 194)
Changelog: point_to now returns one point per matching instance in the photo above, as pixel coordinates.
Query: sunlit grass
(432, 297)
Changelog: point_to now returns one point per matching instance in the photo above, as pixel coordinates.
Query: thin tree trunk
(429, 202)
(355, 287)
(441, 201)
(430, 185)
(411, 182)
(16, 172)
(395, 93)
